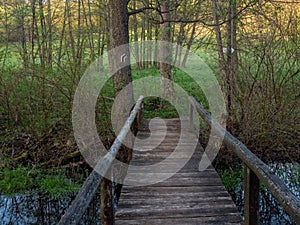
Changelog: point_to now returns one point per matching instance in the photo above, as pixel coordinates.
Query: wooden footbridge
(188, 196)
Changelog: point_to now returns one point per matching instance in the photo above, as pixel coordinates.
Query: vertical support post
(140, 117)
(192, 117)
(106, 202)
(251, 192)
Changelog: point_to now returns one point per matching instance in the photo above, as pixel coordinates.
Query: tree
(119, 35)
(227, 56)
(165, 50)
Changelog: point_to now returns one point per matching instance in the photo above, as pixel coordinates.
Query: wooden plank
(207, 210)
(182, 221)
(187, 197)
(174, 190)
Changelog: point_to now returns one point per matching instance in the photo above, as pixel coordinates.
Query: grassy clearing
(157, 107)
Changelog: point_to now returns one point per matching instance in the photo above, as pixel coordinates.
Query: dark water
(39, 209)
(271, 213)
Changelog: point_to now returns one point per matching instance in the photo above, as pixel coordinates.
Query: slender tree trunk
(228, 65)
(44, 34)
(228, 74)
(234, 55)
(141, 54)
(189, 45)
(23, 42)
(91, 29)
(136, 39)
(165, 52)
(62, 35)
(232, 60)
(7, 40)
(221, 58)
(149, 55)
(156, 46)
(119, 35)
(180, 38)
(71, 37)
(79, 31)
(49, 22)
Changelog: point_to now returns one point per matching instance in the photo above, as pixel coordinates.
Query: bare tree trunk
(232, 63)
(142, 49)
(62, 35)
(234, 55)
(79, 31)
(23, 42)
(136, 38)
(44, 35)
(149, 55)
(189, 45)
(119, 35)
(6, 20)
(221, 58)
(156, 47)
(165, 52)
(89, 27)
(228, 75)
(180, 38)
(228, 65)
(49, 22)
(71, 37)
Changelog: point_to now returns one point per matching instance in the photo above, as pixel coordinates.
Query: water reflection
(37, 209)
(271, 213)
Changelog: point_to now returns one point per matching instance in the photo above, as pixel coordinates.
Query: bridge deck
(188, 197)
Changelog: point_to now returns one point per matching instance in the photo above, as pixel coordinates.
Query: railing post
(192, 117)
(106, 202)
(251, 192)
(140, 117)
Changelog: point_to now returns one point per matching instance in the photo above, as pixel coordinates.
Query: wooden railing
(256, 171)
(79, 205)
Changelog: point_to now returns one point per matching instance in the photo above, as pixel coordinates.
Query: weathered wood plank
(199, 212)
(187, 197)
(187, 221)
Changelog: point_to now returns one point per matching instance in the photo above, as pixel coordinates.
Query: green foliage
(24, 180)
(231, 179)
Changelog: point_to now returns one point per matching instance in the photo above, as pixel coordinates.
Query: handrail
(255, 167)
(91, 184)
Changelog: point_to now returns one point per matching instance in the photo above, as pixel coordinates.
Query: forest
(251, 46)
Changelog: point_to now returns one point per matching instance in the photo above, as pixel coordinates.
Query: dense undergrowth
(36, 107)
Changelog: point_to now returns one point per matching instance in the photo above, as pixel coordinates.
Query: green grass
(231, 179)
(157, 107)
(13, 59)
(24, 180)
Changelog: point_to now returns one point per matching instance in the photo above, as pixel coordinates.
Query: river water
(271, 213)
(39, 209)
